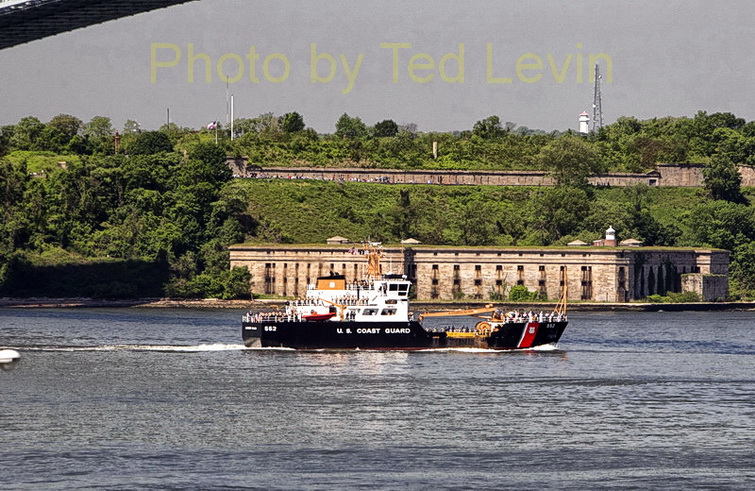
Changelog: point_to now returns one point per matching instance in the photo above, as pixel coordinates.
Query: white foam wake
(144, 347)
(544, 347)
(196, 348)
(460, 350)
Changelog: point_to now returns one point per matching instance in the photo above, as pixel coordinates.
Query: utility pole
(597, 104)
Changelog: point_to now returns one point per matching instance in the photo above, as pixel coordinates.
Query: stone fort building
(605, 273)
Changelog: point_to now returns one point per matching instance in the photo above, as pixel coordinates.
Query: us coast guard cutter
(373, 313)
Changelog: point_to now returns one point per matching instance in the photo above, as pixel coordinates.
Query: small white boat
(9, 356)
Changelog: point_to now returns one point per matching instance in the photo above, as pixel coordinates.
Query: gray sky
(668, 58)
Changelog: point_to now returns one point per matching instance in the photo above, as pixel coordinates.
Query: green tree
(403, 216)
(26, 133)
(488, 128)
(51, 139)
(145, 171)
(352, 128)
(99, 133)
(208, 153)
(570, 160)
(241, 126)
(150, 142)
(520, 293)
(265, 123)
(292, 122)
(743, 270)
(386, 128)
(722, 180)
(210, 164)
(478, 226)
(99, 127)
(79, 145)
(6, 134)
(13, 182)
(69, 126)
(604, 213)
(720, 224)
(650, 231)
(558, 211)
(650, 151)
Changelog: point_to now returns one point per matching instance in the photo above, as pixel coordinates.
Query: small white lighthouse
(609, 241)
(584, 120)
(610, 237)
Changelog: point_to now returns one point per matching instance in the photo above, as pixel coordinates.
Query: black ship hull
(395, 335)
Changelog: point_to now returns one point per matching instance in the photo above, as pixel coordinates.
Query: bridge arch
(22, 21)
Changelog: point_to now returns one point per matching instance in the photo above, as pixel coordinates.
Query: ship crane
(341, 307)
(489, 309)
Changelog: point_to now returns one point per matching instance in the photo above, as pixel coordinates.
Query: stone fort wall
(605, 274)
(670, 175)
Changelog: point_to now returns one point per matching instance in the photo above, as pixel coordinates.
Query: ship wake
(198, 348)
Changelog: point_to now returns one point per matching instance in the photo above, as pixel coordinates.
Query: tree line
(152, 223)
(164, 203)
(627, 145)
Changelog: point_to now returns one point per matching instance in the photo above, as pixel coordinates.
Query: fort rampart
(670, 175)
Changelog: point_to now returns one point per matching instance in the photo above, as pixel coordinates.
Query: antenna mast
(597, 105)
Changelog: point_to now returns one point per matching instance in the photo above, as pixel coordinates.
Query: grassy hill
(311, 211)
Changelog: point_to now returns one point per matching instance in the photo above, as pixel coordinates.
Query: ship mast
(561, 305)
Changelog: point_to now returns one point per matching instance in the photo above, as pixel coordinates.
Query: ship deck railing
(516, 317)
(361, 285)
(511, 318)
(347, 301)
(534, 317)
(259, 317)
(357, 285)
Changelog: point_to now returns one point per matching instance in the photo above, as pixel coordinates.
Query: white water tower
(584, 123)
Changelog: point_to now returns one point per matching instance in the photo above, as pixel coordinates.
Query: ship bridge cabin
(362, 300)
(394, 286)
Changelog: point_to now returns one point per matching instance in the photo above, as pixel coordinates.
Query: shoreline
(212, 303)
(81, 302)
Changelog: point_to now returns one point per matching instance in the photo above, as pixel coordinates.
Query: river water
(169, 398)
